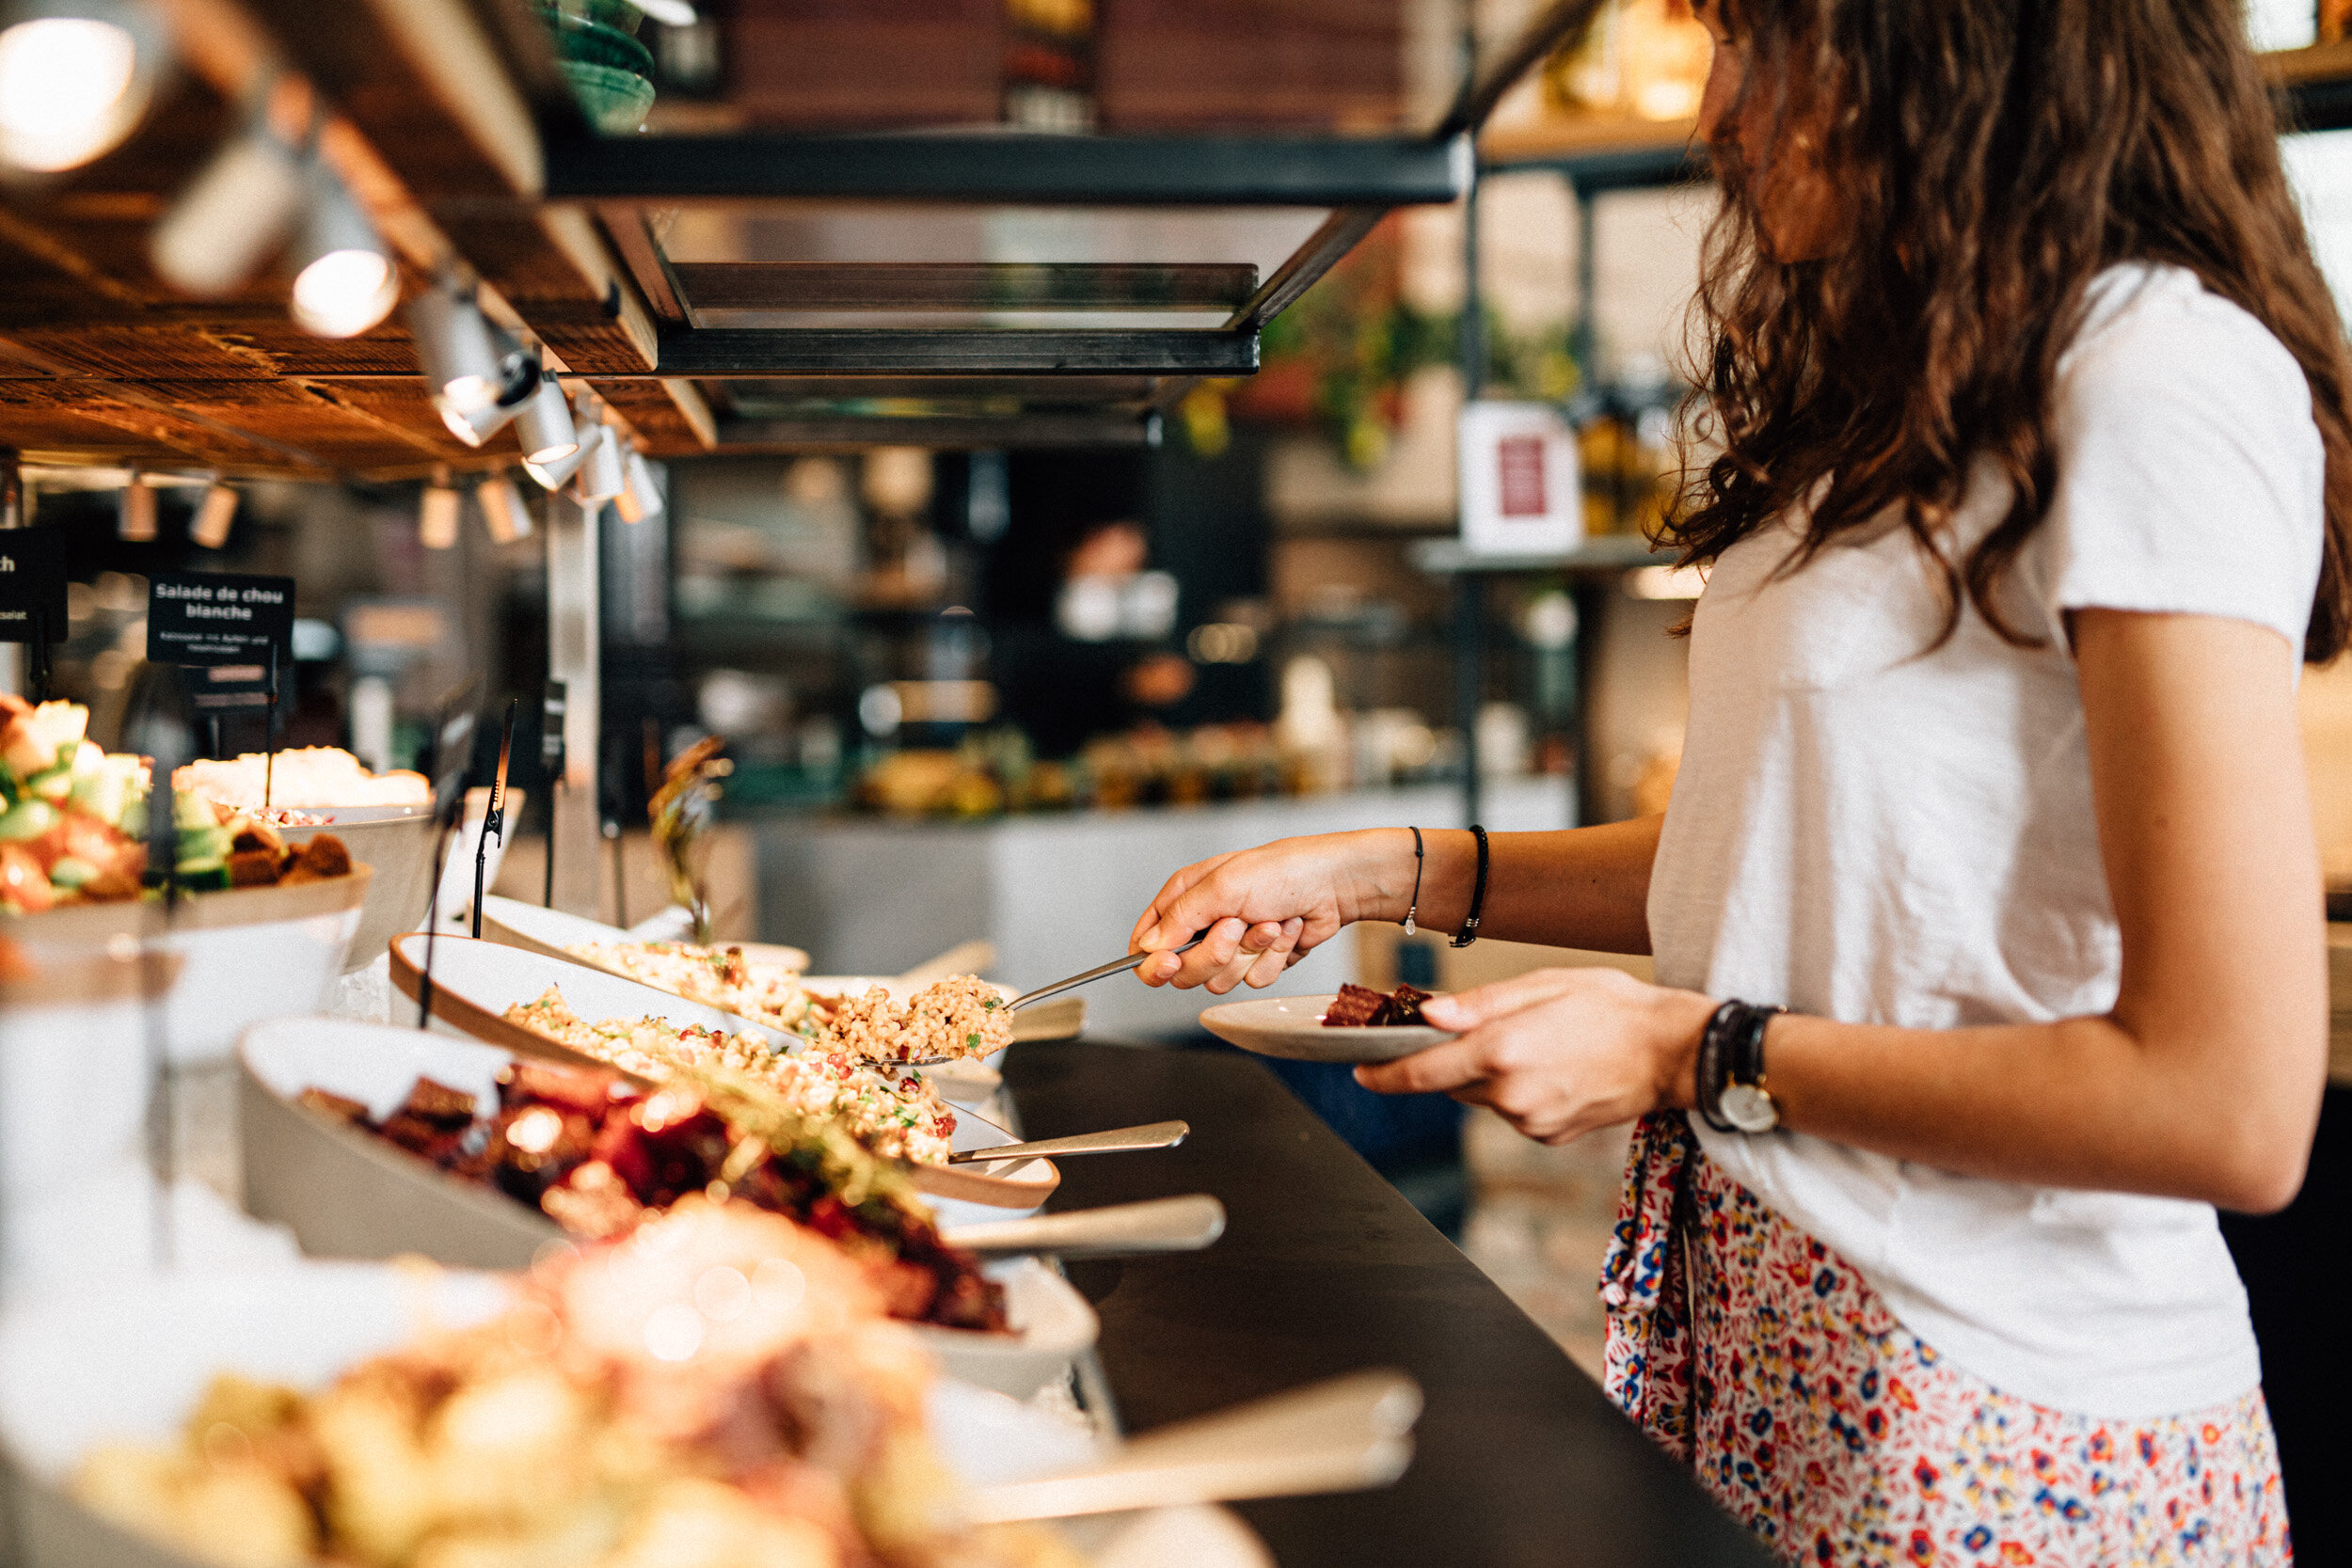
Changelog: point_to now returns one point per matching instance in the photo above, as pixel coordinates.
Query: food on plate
(898, 1116)
(959, 1016)
(303, 776)
(721, 1389)
(720, 977)
(1362, 1008)
(73, 821)
(598, 1154)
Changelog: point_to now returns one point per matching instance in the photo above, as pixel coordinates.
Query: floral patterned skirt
(1759, 1357)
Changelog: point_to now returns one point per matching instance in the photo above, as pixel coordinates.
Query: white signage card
(1521, 491)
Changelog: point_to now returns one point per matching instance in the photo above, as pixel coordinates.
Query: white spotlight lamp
(551, 452)
(345, 279)
(642, 498)
(134, 517)
(603, 474)
(502, 510)
(519, 383)
(75, 75)
(232, 215)
(437, 513)
(213, 514)
(460, 360)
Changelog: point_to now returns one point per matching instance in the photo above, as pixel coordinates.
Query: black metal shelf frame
(996, 369)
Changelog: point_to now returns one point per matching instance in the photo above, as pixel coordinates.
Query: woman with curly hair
(1986, 912)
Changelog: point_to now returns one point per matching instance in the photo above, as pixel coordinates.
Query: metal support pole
(573, 657)
(1469, 664)
(14, 513)
(1587, 345)
(1470, 589)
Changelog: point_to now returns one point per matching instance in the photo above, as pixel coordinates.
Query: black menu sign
(32, 585)
(216, 619)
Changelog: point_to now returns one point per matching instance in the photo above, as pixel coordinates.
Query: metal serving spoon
(1157, 1135)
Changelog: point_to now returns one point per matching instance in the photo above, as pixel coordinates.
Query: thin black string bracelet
(1414, 908)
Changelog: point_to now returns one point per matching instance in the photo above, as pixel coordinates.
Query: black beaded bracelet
(1714, 1063)
(1478, 892)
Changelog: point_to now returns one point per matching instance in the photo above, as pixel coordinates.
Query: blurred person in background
(1081, 627)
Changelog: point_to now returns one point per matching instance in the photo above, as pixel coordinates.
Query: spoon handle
(1120, 1229)
(1345, 1435)
(1158, 1134)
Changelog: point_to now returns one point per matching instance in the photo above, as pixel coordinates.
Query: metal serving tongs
(1348, 1434)
(1116, 966)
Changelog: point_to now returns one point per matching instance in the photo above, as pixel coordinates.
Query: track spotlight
(134, 519)
(437, 513)
(642, 498)
(238, 210)
(502, 510)
(214, 515)
(75, 76)
(518, 383)
(345, 279)
(551, 444)
(603, 474)
(454, 347)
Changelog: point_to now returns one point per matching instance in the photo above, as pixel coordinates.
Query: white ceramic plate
(543, 930)
(1292, 1026)
(129, 1363)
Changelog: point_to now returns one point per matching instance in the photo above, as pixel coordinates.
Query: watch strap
(1714, 1063)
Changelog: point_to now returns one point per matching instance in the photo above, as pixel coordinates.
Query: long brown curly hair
(1991, 157)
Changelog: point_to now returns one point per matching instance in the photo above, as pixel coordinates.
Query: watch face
(1748, 1108)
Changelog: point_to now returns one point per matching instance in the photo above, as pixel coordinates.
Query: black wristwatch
(1732, 1095)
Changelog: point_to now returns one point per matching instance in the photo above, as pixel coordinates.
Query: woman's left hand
(1559, 1051)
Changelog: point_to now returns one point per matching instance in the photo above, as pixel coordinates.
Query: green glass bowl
(591, 43)
(615, 102)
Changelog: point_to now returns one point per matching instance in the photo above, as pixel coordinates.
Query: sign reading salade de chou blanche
(213, 618)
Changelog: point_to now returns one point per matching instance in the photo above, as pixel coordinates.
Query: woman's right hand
(1267, 908)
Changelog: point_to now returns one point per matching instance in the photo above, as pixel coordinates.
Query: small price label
(32, 585)
(215, 620)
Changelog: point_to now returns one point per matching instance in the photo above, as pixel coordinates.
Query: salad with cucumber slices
(73, 822)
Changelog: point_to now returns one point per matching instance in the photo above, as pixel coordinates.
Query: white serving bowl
(246, 953)
(116, 1365)
(347, 1194)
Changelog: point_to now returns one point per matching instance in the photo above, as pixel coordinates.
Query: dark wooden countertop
(1325, 1269)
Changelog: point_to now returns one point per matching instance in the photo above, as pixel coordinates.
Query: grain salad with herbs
(723, 977)
(897, 1115)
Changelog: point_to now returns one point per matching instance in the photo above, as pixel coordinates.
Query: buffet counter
(1059, 894)
(1324, 1268)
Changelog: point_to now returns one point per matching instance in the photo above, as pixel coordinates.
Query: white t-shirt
(1866, 830)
